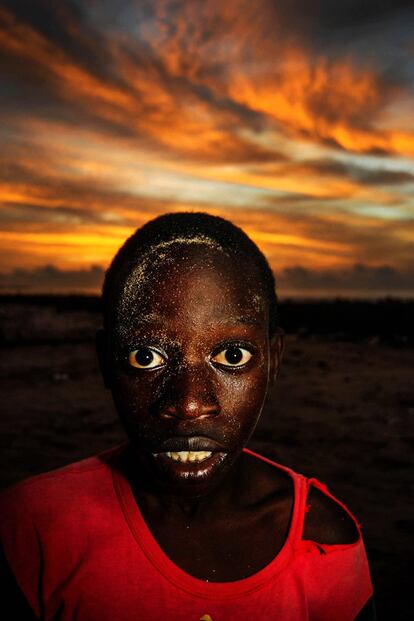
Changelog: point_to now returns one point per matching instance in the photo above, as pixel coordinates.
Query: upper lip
(190, 443)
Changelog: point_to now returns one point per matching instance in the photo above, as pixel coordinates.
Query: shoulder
(46, 493)
(52, 517)
(327, 520)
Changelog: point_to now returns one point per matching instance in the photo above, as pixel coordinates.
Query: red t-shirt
(80, 549)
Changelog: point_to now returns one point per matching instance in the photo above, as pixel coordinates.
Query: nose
(190, 395)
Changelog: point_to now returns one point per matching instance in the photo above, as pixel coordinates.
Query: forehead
(195, 280)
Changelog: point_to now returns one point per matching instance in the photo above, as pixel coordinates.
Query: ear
(277, 345)
(102, 350)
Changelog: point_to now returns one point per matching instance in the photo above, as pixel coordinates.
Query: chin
(191, 479)
(186, 474)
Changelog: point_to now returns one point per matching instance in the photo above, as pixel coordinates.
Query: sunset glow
(294, 124)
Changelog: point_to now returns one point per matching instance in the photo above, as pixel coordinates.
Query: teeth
(191, 456)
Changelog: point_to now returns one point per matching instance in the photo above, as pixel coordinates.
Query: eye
(146, 358)
(232, 356)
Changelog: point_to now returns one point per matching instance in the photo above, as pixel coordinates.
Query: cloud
(328, 20)
(195, 77)
(136, 96)
(50, 278)
(294, 123)
(360, 279)
(384, 177)
(359, 174)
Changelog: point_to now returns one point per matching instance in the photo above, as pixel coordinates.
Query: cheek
(242, 397)
(134, 397)
(134, 400)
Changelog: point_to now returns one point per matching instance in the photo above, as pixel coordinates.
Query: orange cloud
(162, 97)
(325, 101)
(300, 92)
(206, 107)
(144, 101)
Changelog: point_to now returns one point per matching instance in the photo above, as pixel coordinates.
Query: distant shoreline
(311, 297)
(387, 320)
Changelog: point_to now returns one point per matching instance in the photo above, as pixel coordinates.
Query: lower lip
(191, 472)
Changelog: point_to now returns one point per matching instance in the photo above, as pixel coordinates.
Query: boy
(183, 521)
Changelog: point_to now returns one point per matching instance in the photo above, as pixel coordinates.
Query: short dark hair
(185, 226)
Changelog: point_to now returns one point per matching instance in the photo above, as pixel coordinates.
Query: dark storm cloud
(49, 277)
(324, 15)
(376, 32)
(384, 177)
(360, 277)
(13, 215)
(65, 25)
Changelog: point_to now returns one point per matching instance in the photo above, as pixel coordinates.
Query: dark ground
(342, 410)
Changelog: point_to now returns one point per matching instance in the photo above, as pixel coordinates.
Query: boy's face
(190, 365)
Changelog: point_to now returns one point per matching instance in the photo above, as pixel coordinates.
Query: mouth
(191, 459)
(187, 456)
(185, 446)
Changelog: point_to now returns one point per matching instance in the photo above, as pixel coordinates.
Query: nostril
(210, 410)
(189, 408)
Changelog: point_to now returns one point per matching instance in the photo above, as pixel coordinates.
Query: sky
(292, 118)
